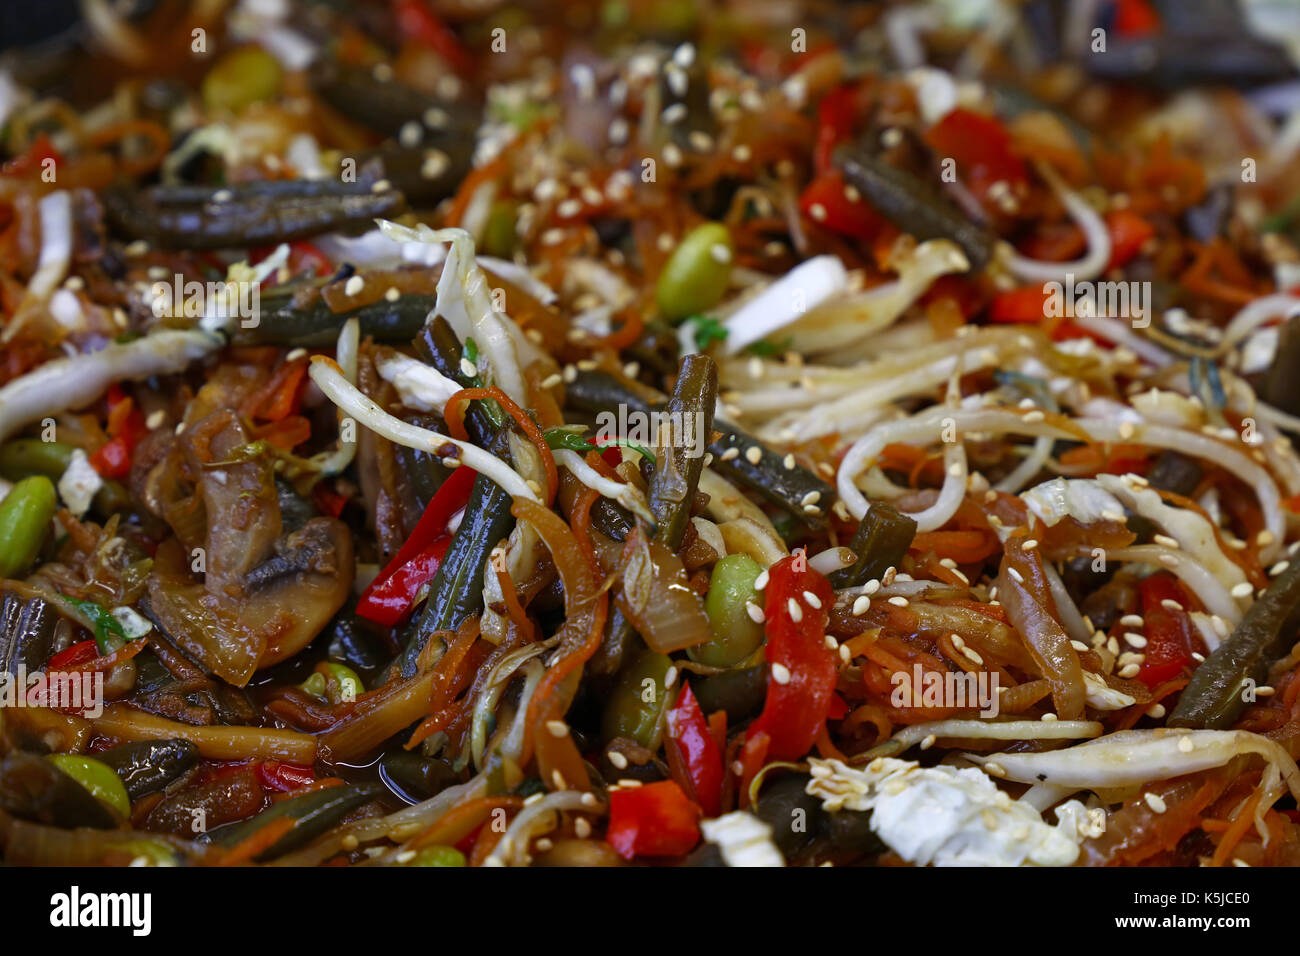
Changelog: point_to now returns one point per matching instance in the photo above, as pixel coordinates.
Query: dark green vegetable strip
(1282, 385)
(456, 590)
(1176, 472)
(913, 206)
(1214, 697)
(146, 766)
(677, 468)
(248, 214)
(316, 326)
(882, 538)
(35, 789)
(26, 632)
(789, 488)
(313, 813)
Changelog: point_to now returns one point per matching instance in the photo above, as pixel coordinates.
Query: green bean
(313, 813)
(97, 777)
(146, 766)
(796, 489)
(735, 634)
(1214, 698)
(438, 345)
(913, 206)
(25, 516)
(881, 541)
(243, 76)
(696, 274)
(1176, 472)
(635, 706)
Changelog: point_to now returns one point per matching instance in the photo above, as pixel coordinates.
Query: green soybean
(242, 77)
(697, 273)
(735, 634)
(25, 516)
(637, 703)
(97, 777)
(438, 856)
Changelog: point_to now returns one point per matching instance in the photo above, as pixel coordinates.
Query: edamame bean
(697, 273)
(735, 634)
(25, 516)
(98, 778)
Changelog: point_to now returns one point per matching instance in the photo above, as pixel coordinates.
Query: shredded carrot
(540, 704)
(825, 746)
(582, 527)
(623, 336)
(157, 136)
(1158, 694)
(257, 842)
(460, 821)
(513, 607)
(1240, 824)
(964, 547)
(455, 417)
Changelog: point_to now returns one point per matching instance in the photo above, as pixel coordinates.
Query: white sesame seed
(1153, 801)
(796, 612)
(780, 673)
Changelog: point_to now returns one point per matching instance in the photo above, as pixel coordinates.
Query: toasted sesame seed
(812, 600)
(755, 612)
(780, 673)
(1153, 801)
(557, 728)
(796, 612)
(753, 454)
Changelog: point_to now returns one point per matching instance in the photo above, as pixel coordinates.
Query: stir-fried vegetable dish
(460, 433)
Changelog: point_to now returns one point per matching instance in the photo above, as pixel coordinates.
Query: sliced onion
(657, 599)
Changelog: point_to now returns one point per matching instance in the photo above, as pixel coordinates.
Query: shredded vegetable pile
(440, 433)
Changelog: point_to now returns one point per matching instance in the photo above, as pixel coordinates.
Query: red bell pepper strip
(689, 730)
(417, 21)
(283, 777)
(657, 819)
(82, 653)
(837, 117)
(1129, 232)
(1168, 632)
(1134, 18)
(390, 596)
(30, 163)
(827, 202)
(797, 605)
(126, 427)
(982, 150)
